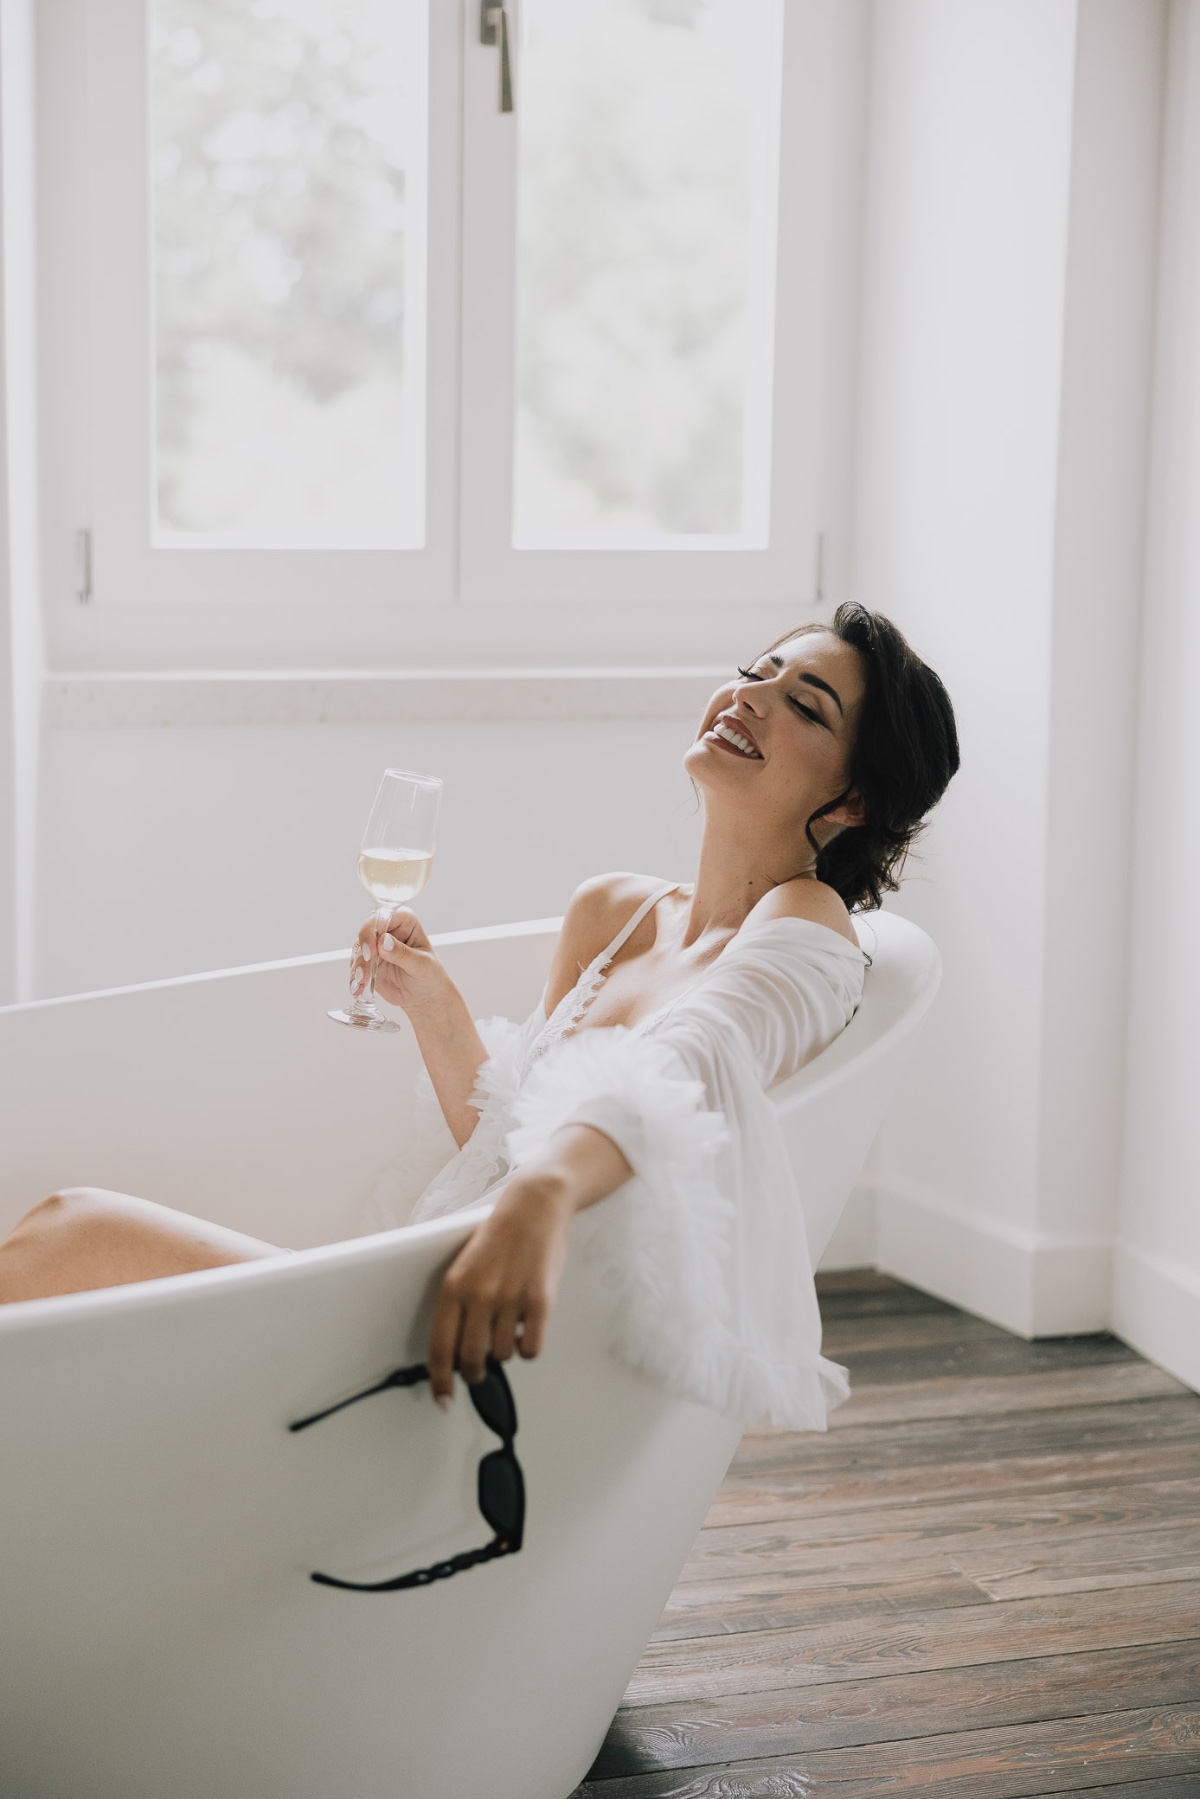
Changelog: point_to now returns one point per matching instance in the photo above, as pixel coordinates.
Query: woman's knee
(50, 1246)
(85, 1237)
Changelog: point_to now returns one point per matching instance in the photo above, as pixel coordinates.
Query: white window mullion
(488, 392)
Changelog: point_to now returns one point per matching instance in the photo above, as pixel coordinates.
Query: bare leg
(86, 1237)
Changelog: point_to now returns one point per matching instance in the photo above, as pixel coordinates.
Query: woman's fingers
(475, 1341)
(504, 1331)
(443, 1345)
(533, 1329)
(464, 1335)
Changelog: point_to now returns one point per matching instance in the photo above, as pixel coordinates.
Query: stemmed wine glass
(393, 866)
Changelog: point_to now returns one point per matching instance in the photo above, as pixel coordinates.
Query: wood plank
(884, 1298)
(836, 1282)
(1126, 1558)
(883, 1586)
(889, 1365)
(859, 1488)
(954, 1397)
(774, 1568)
(1122, 1422)
(1011, 1762)
(916, 1331)
(1172, 1786)
(765, 1604)
(748, 1726)
(968, 1636)
(991, 1526)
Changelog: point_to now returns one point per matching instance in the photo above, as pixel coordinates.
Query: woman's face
(777, 740)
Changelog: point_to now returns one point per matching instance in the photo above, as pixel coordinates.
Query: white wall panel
(175, 850)
(1157, 1290)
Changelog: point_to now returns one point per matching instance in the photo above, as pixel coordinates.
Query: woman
(669, 1013)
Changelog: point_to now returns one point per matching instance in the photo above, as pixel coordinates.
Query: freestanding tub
(159, 1634)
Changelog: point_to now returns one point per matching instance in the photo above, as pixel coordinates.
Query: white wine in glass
(393, 865)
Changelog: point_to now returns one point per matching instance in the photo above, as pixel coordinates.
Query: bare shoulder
(813, 900)
(597, 910)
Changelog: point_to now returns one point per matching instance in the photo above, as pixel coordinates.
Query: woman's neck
(734, 872)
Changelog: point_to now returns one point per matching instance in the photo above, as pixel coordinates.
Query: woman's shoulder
(813, 901)
(599, 907)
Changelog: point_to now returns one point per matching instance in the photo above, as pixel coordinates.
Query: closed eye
(748, 674)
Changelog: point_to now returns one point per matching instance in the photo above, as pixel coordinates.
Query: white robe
(704, 1252)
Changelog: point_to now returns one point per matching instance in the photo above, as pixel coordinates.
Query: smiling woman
(641, 1079)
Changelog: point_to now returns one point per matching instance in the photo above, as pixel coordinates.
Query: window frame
(468, 594)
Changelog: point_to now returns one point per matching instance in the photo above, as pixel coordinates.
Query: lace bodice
(572, 1008)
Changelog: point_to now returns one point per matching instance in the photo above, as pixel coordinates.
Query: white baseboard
(1156, 1310)
(1035, 1285)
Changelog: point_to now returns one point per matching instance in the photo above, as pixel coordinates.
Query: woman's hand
(499, 1290)
(407, 971)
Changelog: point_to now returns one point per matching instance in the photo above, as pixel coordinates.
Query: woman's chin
(707, 760)
(698, 759)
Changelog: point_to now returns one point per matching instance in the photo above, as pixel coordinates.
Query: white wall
(20, 635)
(1156, 1289)
(236, 844)
(1001, 434)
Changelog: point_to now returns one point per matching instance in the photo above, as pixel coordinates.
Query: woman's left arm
(499, 1290)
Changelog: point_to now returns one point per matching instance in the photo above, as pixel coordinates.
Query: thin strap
(626, 932)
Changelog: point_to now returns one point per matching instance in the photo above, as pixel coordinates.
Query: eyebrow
(813, 681)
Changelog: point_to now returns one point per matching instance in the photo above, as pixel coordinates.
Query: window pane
(647, 169)
(288, 160)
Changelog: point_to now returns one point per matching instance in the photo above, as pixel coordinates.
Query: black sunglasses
(501, 1488)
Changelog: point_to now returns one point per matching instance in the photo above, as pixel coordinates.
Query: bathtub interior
(232, 1095)
(161, 1632)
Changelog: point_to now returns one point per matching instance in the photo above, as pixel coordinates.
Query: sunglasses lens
(493, 1401)
(501, 1493)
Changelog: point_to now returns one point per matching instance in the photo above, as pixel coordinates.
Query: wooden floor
(984, 1581)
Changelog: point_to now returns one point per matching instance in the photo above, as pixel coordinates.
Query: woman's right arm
(408, 974)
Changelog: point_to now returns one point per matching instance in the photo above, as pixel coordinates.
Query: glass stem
(383, 916)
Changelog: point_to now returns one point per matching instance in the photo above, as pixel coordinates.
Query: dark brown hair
(904, 756)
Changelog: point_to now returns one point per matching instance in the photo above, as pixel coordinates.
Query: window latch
(83, 566)
(494, 29)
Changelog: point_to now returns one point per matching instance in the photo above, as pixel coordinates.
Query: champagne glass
(393, 866)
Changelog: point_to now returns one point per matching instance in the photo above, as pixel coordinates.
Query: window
(287, 248)
(363, 367)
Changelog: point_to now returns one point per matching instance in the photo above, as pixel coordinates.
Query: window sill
(377, 697)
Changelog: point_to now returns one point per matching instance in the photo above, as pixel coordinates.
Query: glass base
(366, 1020)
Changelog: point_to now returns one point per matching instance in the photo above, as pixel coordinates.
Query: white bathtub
(159, 1634)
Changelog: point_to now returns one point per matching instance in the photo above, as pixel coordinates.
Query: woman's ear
(851, 812)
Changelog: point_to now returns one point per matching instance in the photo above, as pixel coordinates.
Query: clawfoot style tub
(160, 1634)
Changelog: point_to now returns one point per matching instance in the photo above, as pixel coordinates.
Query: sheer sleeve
(705, 1251)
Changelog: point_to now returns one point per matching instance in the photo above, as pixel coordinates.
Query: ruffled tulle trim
(482, 1160)
(662, 1244)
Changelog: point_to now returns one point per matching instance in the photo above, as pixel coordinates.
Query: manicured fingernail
(364, 950)
(389, 942)
(442, 1401)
